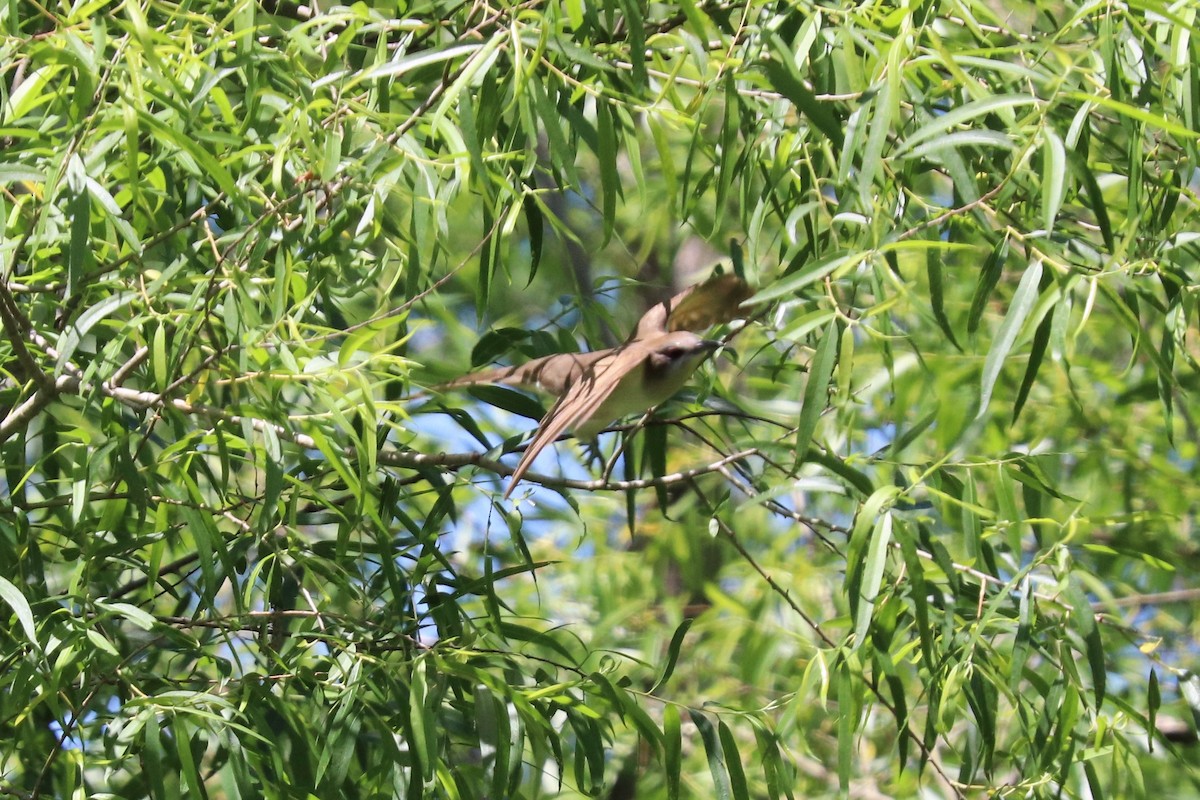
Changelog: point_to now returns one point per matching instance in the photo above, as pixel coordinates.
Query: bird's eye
(673, 352)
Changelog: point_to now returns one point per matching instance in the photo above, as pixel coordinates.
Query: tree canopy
(924, 525)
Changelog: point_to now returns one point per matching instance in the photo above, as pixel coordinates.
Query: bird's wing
(696, 308)
(585, 395)
(550, 373)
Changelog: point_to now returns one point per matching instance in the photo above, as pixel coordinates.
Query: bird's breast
(638, 391)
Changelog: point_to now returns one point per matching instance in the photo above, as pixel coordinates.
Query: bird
(595, 388)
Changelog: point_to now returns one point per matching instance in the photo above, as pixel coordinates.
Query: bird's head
(673, 357)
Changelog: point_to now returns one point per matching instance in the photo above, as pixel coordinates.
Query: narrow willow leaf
(672, 749)
(79, 254)
(982, 698)
(536, 225)
(654, 460)
(509, 400)
(188, 774)
(591, 743)
(1054, 176)
(847, 724)
(944, 123)
(407, 63)
(989, 276)
(606, 157)
(816, 389)
(872, 580)
(726, 166)
(666, 159)
(1153, 703)
(786, 80)
(937, 299)
(472, 140)
(733, 762)
(1189, 689)
(865, 524)
(1094, 646)
(716, 756)
(970, 524)
(635, 27)
(791, 284)
(884, 109)
(843, 470)
(11, 595)
(561, 155)
(772, 763)
(944, 146)
(1022, 303)
(487, 262)
(1084, 622)
(1171, 196)
(845, 367)
(907, 436)
(1125, 110)
(646, 727)
(672, 654)
(1023, 641)
(900, 703)
(918, 596)
(1095, 785)
(152, 757)
(28, 92)
(1037, 352)
(1083, 172)
(421, 718)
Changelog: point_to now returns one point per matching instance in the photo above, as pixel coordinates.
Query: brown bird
(595, 388)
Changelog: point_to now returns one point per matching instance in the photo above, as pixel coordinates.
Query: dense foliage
(924, 525)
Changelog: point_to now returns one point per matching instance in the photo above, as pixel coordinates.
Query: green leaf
(1084, 623)
(733, 762)
(937, 298)
(872, 576)
(989, 276)
(28, 95)
(722, 789)
(654, 460)
(847, 723)
(785, 80)
(187, 764)
(907, 436)
(944, 123)
(606, 156)
(1022, 303)
(1159, 121)
(672, 749)
(1037, 351)
(79, 255)
(1083, 172)
(11, 595)
(866, 531)
(817, 387)
(535, 222)
(421, 718)
(1054, 176)
(408, 63)
(1023, 641)
(1153, 703)
(672, 654)
(510, 400)
(792, 284)
(885, 108)
(1189, 689)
